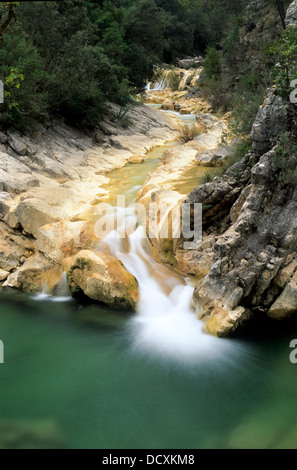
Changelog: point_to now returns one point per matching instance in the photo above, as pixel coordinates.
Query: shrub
(173, 79)
(212, 63)
(245, 109)
(208, 177)
(285, 159)
(239, 151)
(286, 53)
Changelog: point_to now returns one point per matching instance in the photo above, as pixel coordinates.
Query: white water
(165, 321)
(61, 294)
(162, 85)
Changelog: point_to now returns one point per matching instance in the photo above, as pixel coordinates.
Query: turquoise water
(76, 367)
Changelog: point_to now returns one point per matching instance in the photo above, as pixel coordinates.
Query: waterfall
(61, 292)
(161, 85)
(165, 321)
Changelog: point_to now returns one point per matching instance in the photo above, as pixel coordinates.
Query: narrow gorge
(116, 331)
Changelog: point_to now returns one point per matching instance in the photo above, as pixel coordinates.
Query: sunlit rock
(102, 278)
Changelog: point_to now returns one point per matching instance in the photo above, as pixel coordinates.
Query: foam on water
(165, 321)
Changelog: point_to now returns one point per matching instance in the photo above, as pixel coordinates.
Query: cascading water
(165, 321)
(162, 85)
(61, 291)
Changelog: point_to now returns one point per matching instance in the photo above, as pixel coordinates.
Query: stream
(151, 380)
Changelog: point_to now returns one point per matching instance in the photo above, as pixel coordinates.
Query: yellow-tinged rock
(102, 278)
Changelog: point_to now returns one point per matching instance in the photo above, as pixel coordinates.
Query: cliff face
(254, 267)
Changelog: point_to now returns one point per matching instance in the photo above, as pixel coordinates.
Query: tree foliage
(285, 53)
(76, 55)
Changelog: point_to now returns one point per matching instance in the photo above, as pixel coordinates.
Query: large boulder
(167, 106)
(214, 157)
(102, 278)
(62, 239)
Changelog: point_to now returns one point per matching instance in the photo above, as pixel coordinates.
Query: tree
(6, 19)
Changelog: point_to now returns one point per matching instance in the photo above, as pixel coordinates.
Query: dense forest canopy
(67, 59)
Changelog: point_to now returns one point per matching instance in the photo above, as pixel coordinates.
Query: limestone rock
(286, 303)
(190, 62)
(62, 239)
(31, 276)
(3, 138)
(13, 246)
(135, 159)
(32, 214)
(272, 119)
(291, 15)
(17, 144)
(3, 275)
(167, 106)
(50, 181)
(215, 157)
(163, 223)
(102, 278)
(186, 111)
(4, 203)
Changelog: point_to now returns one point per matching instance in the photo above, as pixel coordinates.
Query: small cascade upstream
(161, 85)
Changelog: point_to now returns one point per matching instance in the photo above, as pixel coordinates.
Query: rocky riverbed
(52, 180)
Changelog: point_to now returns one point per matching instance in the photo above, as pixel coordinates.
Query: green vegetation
(238, 153)
(66, 60)
(173, 79)
(212, 64)
(72, 57)
(285, 52)
(285, 159)
(239, 62)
